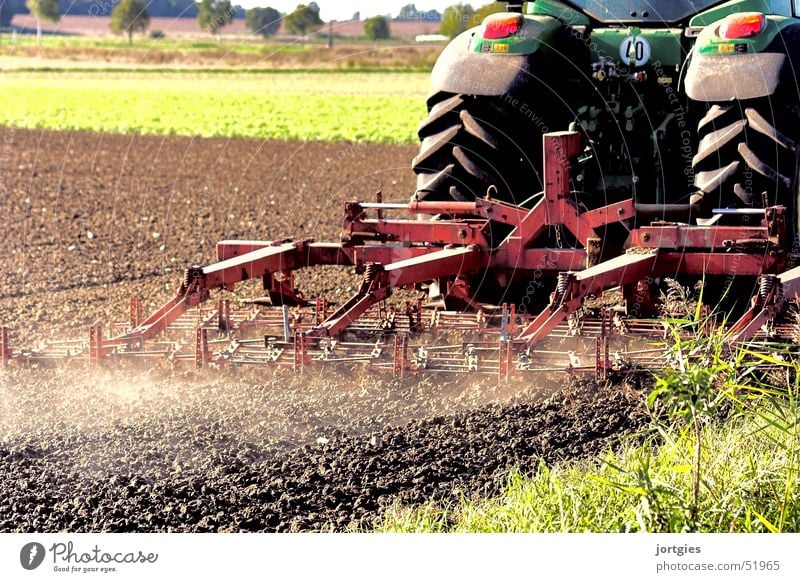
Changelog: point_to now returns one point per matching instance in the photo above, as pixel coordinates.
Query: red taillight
(501, 25)
(742, 25)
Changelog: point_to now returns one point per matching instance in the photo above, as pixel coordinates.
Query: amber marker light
(501, 25)
(743, 25)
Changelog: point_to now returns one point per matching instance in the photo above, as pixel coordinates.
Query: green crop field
(363, 107)
(10, 44)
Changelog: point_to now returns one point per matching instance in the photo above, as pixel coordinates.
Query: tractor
(690, 109)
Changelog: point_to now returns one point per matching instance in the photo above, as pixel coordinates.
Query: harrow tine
(287, 329)
(5, 349)
(300, 351)
(400, 354)
(224, 315)
(136, 312)
(96, 350)
(201, 353)
(505, 360)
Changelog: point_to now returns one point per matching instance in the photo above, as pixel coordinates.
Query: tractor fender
(463, 69)
(715, 78)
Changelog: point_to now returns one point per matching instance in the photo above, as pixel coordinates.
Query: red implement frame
(408, 252)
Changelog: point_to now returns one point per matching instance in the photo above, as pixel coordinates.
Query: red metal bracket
(281, 290)
(224, 315)
(773, 291)
(506, 358)
(5, 349)
(574, 287)
(684, 236)
(201, 354)
(400, 355)
(136, 312)
(97, 351)
(320, 310)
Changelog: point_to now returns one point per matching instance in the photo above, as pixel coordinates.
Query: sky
(344, 9)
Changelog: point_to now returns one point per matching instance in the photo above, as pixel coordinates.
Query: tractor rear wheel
(747, 155)
(747, 149)
(471, 144)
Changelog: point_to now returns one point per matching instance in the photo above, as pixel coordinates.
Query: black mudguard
(719, 78)
(459, 70)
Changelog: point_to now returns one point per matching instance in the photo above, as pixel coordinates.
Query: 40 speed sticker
(634, 50)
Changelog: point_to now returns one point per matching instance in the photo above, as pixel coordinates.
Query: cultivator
(443, 246)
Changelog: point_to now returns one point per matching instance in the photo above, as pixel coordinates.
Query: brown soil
(254, 450)
(90, 219)
(261, 451)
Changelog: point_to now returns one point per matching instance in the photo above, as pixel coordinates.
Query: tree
(377, 28)
(128, 16)
(356, 16)
(214, 14)
(484, 11)
(408, 12)
(263, 21)
(456, 19)
(303, 20)
(6, 13)
(43, 10)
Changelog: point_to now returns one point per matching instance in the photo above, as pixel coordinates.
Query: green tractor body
(678, 101)
(682, 104)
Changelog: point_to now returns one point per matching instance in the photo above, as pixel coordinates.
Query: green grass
(721, 455)
(238, 44)
(364, 107)
(94, 69)
(744, 489)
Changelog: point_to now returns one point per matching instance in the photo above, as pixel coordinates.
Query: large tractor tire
(747, 148)
(473, 145)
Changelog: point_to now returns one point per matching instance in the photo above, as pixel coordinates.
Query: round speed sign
(634, 50)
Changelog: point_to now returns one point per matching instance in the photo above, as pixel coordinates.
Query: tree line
(166, 8)
(305, 19)
(131, 16)
(460, 17)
